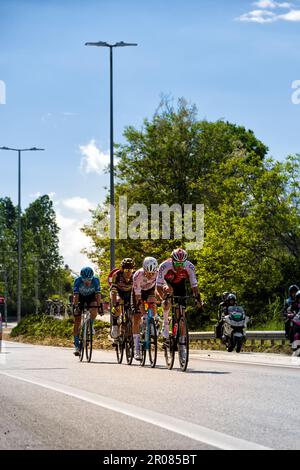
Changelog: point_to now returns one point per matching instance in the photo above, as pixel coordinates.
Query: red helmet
(179, 255)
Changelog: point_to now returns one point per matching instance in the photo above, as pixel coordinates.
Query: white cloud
(258, 16)
(293, 15)
(72, 241)
(39, 194)
(93, 160)
(78, 204)
(271, 4)
(264, 15)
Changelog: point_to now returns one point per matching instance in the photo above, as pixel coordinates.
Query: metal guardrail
(252, 336)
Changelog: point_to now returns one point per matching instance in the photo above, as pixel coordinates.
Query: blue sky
(235, 60)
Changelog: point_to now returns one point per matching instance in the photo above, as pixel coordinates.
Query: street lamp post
(112, 189)
(19, 226)
(4, 271)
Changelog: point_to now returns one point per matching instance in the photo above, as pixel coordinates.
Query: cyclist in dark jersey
(120, 291)
(86, 290)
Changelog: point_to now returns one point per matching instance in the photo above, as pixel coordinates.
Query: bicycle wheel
(88, 340)
(143, 349)
(129, 346)
(81, 343)
(183, 340)
(119, 344)
(152, 343)
(169, 346)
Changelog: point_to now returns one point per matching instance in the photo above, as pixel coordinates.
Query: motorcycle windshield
(236, 313)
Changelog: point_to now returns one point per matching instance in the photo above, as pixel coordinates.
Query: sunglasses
(179, 263)
(127, 270)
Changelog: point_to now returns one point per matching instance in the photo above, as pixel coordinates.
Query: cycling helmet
(231, 297)
(87, 273)
(293, 288)
(150, 265)
(179, 255)
(225, 295)
(297, 296)
(127, 263)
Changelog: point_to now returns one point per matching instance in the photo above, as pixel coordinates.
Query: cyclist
(86, 290)
(171, 280)
(120, 291)
(144, 280)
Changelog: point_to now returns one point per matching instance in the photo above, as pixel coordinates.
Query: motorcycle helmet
(224, 296)
(293, 288)
(231, 297)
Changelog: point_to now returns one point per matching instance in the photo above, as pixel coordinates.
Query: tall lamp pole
(112, 189)
(19, 226)
(4, 271)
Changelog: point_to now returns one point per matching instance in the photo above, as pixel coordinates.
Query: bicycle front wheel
(120, 345)
(81, 343)
(88, 340)
(169, 350)
(152, 343)
(129, 346)
(183, 347)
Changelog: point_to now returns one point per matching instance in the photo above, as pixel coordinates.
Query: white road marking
(179, 426)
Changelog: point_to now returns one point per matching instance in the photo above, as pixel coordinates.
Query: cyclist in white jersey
(144, 281)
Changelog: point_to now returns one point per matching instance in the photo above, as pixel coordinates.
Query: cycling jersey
(141, 282)
(119, 282)
(166, 272)
(84, 290)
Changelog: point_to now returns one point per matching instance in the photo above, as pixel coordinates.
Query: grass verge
(49, 331)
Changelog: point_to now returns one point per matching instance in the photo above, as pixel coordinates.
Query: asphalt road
(49, 400)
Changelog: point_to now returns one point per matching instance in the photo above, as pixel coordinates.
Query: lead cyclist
(171, 280)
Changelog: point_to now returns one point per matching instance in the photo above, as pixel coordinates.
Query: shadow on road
(193, 371)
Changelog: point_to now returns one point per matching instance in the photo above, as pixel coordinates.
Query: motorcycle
(233, 328)
(294, 319)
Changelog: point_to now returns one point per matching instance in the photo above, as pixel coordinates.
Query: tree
(252, 218)
(41, 260)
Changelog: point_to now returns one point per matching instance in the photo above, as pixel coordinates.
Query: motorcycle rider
(294, 308)
(293, 289)
(229, 299)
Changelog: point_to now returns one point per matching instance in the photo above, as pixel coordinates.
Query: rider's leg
(94, 312)
(77, 320)
(136, 321)
(115, 313)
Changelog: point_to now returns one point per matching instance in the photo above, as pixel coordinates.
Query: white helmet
(150, 265)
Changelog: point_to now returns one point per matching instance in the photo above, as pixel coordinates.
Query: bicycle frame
(148, 336)
(125, 340)
(178, 336)
(85, 342)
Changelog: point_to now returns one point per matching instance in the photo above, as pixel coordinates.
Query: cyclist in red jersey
(171, 280)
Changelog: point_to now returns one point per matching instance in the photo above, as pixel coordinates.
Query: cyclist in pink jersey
(171, 280)
(144, 281)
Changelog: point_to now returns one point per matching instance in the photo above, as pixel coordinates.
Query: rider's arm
(160, 279)
(193, 281)
(97, 289)
(137, 288)
(76, 291)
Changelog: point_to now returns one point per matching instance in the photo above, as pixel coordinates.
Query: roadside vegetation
(50, 331)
